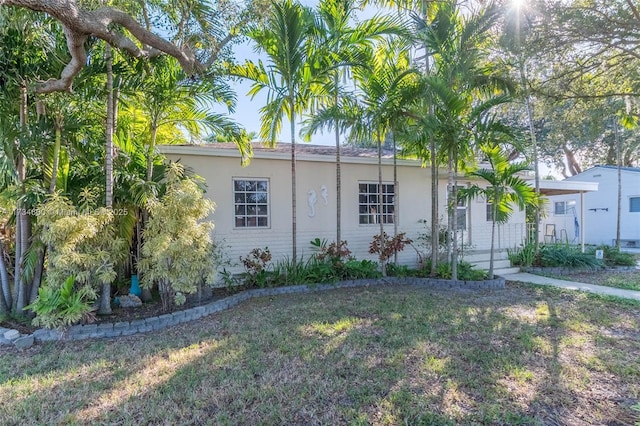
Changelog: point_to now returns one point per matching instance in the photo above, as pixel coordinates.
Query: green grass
(628, 280)
(385, 356)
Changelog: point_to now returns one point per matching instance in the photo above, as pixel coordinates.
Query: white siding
(600, 214)
(413, 192)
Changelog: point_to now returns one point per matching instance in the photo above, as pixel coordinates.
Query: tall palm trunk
(383, 263)
(57, 124)
(5, 297)
(104, 307)
(151, 150)
(454, 242)
(619, 200)
(338, 170)
(108, 155)
(23, 224)
(435, 220)
(294, 221)
(395, 194)
(494, 211)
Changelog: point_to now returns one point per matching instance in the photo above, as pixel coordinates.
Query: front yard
(388, 355)
(628, 280)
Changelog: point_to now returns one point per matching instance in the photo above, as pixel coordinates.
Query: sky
(247, 109)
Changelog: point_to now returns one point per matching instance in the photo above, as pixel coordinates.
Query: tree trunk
(56, 154)
(572, 163)
(37, 276)
(454, 216)
(104, 307)
(22, 220)
(534, 144)
(151, 151)
(108, 155)
(435, 220)
(615, 129)
(5, 290)
(450, 208)
(25, 238)
(4, 277)
(294, 222)
(338, 172)
(494, 210)
(395, 196)
(383, 262)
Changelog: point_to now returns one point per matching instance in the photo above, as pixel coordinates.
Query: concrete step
(483, 255)
(497, 264)
(506, 271)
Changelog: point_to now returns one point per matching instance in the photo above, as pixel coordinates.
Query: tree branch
(80, 23)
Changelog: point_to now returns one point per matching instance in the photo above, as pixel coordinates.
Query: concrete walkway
(524, 277)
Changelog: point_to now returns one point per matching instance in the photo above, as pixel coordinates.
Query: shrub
(385, 247)
(178, 252)
(466, 272)
(522, 256)
(563, 255)
(614, 257)
(58, 306)
(255, 265)
(360, 269)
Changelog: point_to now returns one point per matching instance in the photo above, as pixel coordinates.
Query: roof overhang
(563, 187)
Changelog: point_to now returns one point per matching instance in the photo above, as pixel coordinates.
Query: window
(560, 207)
(563, 207)
(461, 214)
(251, 203)
(489, 212)
(634, 204)
(368, 203)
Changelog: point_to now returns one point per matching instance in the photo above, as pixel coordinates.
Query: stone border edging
(127, 328)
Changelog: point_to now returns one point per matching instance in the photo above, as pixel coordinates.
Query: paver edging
(127, 328)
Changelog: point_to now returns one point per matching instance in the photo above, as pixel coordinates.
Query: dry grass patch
(391, 355)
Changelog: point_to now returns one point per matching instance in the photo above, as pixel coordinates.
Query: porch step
(484, 255)
(497, 264)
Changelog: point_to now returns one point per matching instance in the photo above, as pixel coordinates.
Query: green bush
(614, 257)
(58, 306)
(554, 255)
(360, 269)
(522, 256)
(466, 272)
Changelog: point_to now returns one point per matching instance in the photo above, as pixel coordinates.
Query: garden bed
(128, 322)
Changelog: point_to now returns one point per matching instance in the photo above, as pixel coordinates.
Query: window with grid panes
(368, 203)
(251, 203)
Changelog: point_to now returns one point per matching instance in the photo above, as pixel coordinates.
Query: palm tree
(336, 45)
(462, 88)
(284, 39)
(385, 91)
(505, 189)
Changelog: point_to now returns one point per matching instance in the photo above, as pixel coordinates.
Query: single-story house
(562, 222)
(254, 202)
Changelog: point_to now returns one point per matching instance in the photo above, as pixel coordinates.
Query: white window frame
(489, 212)
(555, 208)
(567, 204)
(253, 210)
(368, 203)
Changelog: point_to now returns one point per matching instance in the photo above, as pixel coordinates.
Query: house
(562, 222)
(254, 202)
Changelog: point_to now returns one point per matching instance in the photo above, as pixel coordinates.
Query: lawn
(378, 355)
(628, 280)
